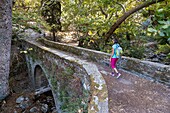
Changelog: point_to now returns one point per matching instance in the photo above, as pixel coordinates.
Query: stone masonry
(72, 80)
(150, 70)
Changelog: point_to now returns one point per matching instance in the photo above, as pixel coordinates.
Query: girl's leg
(113, 65)
(115, 69)
(118, 74)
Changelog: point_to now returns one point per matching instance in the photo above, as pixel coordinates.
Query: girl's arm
(112, 53)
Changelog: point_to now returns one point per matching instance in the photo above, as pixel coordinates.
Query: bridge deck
(130, 93)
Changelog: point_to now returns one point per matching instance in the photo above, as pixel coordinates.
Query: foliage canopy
(94, 18)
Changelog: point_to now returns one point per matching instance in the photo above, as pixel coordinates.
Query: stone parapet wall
(155, 71)
(93, 55)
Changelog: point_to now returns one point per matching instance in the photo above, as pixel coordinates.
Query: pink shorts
(113, 62)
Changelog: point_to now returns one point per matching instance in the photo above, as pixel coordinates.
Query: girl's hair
(115, 41)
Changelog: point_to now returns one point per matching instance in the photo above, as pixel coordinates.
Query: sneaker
(118, 75)
(113, 74)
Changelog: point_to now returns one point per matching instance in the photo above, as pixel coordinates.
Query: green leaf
(152, 30)
(161, 33)
(168, 39)
(160, 10)
(165, 26)
(30, 49)
(162, 22)
(168, 22)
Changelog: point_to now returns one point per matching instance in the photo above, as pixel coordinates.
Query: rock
(54, 111)
(152, 56)
(20, 99)
(15, 111)
(155, 60)
(31, 34)
(162, 55)
(26, 98)
(44, 108)
(49, 99)
(24, 105)
(34, 110)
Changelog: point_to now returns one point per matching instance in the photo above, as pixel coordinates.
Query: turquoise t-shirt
(115, 46)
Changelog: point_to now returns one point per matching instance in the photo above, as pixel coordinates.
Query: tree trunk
(127, 14)
(5, 45)
(54, 37)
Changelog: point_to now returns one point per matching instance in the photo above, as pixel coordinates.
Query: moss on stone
(53, 83)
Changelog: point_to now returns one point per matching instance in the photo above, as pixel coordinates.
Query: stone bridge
(78, 77)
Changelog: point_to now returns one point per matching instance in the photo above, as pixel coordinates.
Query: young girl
(114, 58)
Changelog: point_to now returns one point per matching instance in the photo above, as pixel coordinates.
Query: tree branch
(121, 6)
(103, 12)
(127, 14)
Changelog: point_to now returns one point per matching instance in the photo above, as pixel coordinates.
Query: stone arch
(40, 79)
